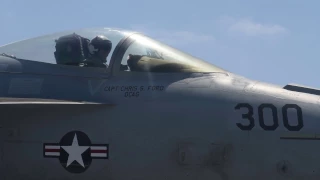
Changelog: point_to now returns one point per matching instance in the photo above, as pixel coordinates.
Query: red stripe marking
(52, 150)
(98, 151)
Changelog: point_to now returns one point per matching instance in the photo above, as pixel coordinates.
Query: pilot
(100, 49)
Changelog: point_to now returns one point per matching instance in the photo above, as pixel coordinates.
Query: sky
(268, 40)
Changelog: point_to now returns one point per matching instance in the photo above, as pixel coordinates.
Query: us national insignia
(75, 151)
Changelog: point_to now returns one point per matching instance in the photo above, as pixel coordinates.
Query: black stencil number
(275, 120)
(248, 116)
(299, 126)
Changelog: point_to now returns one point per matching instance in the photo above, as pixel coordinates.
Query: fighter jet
(103, 103)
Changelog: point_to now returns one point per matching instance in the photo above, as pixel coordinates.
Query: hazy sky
(273, 41)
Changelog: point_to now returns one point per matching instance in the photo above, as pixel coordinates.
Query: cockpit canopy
(130, 52)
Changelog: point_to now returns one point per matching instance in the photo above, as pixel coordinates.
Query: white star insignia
(75, 152)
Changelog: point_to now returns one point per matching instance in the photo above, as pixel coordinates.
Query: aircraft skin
(218, 125)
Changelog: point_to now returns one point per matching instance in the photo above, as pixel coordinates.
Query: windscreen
(148, 55)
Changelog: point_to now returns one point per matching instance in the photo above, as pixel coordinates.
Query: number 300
(249, 116)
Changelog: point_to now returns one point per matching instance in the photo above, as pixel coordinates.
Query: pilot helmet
(101, 42)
